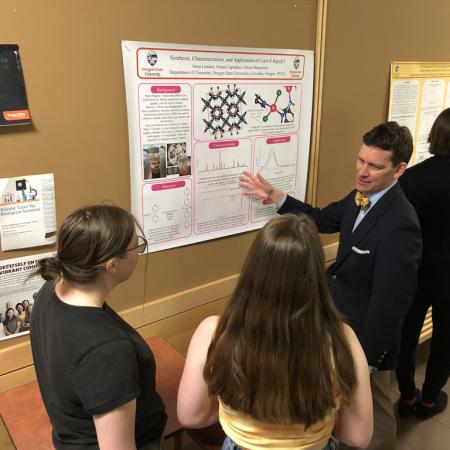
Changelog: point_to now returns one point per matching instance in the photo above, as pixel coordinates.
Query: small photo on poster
(178, 163)
(13, 98)
(154, 161)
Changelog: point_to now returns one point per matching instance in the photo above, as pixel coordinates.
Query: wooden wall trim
(174, 317)
(152, 317)
(16, 360)
(319, 60)
(427, 329)
(181, 301)
(177, 330)
(330, 252)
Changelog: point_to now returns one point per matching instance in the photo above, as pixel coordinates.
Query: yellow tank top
(251, 434)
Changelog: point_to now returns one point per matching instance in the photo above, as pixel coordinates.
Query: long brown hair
(279, 352)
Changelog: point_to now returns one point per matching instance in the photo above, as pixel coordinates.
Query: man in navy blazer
(373, 280)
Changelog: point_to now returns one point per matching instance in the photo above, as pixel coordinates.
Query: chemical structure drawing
(225, 113)
(286, 114)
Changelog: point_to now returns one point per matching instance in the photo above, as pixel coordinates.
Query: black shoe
(406, 409)
(425, 412)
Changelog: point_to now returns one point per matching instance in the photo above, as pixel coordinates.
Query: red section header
(165, 89)
(168, 185)
(278, 140)
(223, 144)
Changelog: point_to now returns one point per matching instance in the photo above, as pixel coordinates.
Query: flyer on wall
(419, 92)
(198, 116)
(17, 293)
(13, 98)
(27, 211)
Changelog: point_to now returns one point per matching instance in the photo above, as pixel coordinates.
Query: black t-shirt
(89, 361)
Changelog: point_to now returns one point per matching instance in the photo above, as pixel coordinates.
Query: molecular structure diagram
(224, 111)
(286, 114)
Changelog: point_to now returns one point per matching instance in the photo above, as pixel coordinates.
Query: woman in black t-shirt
(95, 373)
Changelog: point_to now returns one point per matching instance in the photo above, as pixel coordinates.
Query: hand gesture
(255, 185)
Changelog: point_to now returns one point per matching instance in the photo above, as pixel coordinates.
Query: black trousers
(433, 289)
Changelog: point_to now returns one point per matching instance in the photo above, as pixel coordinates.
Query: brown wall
(362, 38)
(74, 76)
(72, 62)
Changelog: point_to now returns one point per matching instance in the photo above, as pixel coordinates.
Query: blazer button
(333, 277)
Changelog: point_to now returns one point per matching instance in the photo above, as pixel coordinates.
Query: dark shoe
(406, 408)
(425, 412)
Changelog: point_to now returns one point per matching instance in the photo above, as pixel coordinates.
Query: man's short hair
(439, 137)
(393, 137)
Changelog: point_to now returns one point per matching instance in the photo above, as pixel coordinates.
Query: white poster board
(17, 293)
(198, 116)
(27, 211)
(419, 92)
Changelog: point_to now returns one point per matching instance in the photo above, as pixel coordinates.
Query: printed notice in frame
(27, 211)
(17, 293)
(419, 92)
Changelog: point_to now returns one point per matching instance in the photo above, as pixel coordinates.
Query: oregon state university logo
(152, 57)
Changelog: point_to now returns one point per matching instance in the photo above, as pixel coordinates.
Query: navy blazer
(373, 280)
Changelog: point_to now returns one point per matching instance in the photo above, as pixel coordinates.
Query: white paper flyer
(419, 92)
(17, 294)
(27, 211)
(198, 116)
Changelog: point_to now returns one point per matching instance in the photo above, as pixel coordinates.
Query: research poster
(419, 92)
(17, 294)
(27, 211)
(198, 117)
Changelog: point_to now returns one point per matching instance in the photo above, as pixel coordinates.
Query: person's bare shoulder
(349, 333)
(206, 329)
(210, 322)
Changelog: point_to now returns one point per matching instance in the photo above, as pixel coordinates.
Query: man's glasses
(141, 247)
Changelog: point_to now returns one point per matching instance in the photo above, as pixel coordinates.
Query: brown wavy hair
(279, 352)
(88, 238)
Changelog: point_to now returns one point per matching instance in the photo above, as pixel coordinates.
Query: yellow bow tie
(361, 200)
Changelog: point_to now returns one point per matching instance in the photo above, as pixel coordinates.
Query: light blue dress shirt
(362, 213)
(373, 199)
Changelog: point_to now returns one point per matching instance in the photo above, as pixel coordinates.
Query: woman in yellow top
(279, 368)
